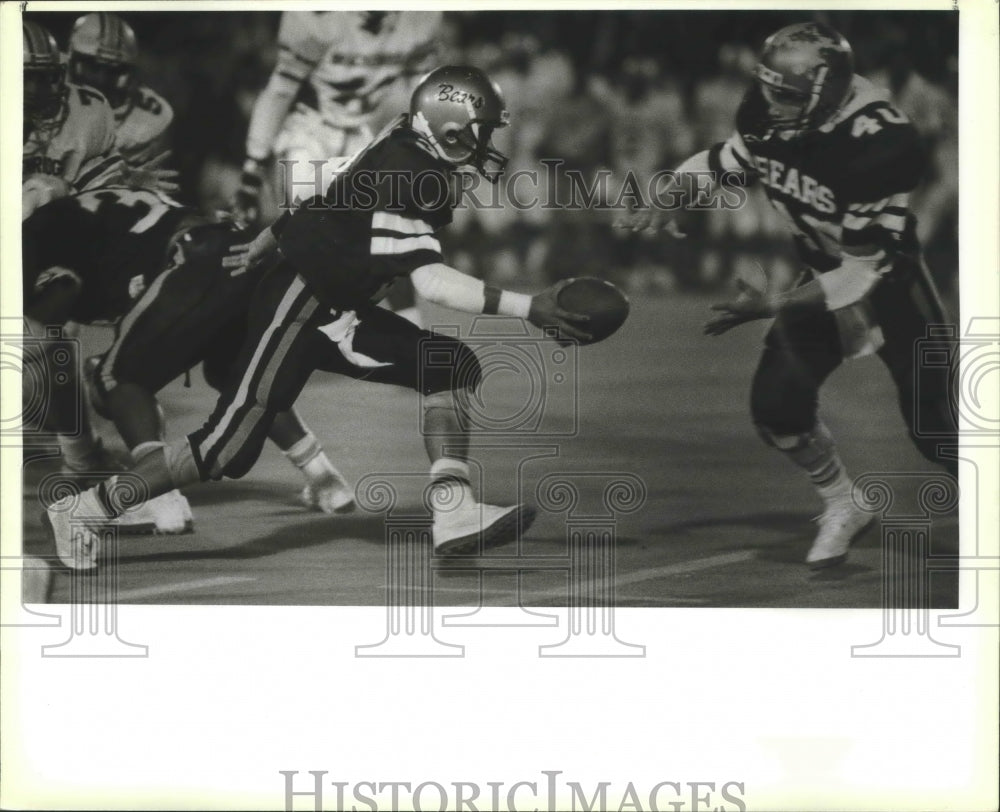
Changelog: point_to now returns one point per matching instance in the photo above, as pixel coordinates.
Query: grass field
(726, 522)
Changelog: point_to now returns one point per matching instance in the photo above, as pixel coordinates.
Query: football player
(140, 260)
(838, 162)
(102, 56)
(333, 69)
(69, 131)
(317, 309)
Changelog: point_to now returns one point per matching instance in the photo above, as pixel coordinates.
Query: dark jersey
(376, 222)
(845, 184)
(104, 239)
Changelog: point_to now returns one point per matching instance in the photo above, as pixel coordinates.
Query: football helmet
(456, 109)
(804, 73)
(44, 74)
(102, 55)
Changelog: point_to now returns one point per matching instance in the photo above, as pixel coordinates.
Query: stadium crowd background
(636, 90)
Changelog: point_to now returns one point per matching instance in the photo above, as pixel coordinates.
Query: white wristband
(514, 304)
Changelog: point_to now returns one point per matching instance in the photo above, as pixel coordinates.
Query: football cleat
(460, 531)
(74, 525)
(839, 525)
(168, 514)
(331, 496)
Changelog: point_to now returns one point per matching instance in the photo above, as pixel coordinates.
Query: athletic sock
(450, 485)
(817, 454)
(81, 452)
(307, 455)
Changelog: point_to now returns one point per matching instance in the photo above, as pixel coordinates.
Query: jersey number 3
(147, 207)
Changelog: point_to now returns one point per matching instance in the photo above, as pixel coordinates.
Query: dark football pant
(282, 347)
(800, 353)
(194, 311)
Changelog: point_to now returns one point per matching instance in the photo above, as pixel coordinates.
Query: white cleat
(74, 524)
(461, 531)
(841, 523)
(331, 496)
(167, 514)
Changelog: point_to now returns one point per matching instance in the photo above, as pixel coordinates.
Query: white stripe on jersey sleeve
(402, 225)
(900, 200)
(893, 222)
(403, 245)
(734, 156)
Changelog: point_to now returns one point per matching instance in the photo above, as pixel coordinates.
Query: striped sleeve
(732, 158)
(299, 47)
(881, 223)
(102, 164)
(400, 244)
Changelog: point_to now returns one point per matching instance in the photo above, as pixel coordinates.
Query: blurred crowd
(602, 91)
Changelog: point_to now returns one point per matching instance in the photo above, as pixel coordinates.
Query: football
(606, 305)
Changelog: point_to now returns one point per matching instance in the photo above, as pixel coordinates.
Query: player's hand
(651, 221)
(751, 304)
(152, 175)
(248, 256)
(545, 313)
(246, 201)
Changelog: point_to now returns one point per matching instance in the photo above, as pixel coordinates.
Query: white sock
(817, 455)
(80, 452)
(307, 455)
(450, 485)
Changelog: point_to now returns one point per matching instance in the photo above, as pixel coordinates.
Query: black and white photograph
(629, 376)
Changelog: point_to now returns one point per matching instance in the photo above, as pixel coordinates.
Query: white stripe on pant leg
(256, 413)
(128, 323)
(241, 393)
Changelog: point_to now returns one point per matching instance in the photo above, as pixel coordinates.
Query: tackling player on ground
(838, 161)
(317, 309)
(69, 147)
(154, 268)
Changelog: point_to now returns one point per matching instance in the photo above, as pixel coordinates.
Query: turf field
(725, 521)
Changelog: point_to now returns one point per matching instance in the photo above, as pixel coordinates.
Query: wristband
(514, 304)
(491, 297)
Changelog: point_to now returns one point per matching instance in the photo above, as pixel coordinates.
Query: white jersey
(141, 126)
(78, 146)
(345, 61)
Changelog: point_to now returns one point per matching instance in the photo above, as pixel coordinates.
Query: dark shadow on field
(309, 532)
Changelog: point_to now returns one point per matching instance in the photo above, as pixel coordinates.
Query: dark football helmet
(456, 109)
(804, 73)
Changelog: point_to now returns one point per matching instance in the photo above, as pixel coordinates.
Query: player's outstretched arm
(842, 287)
(693, 174)
(446, 286)
(248, 256)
